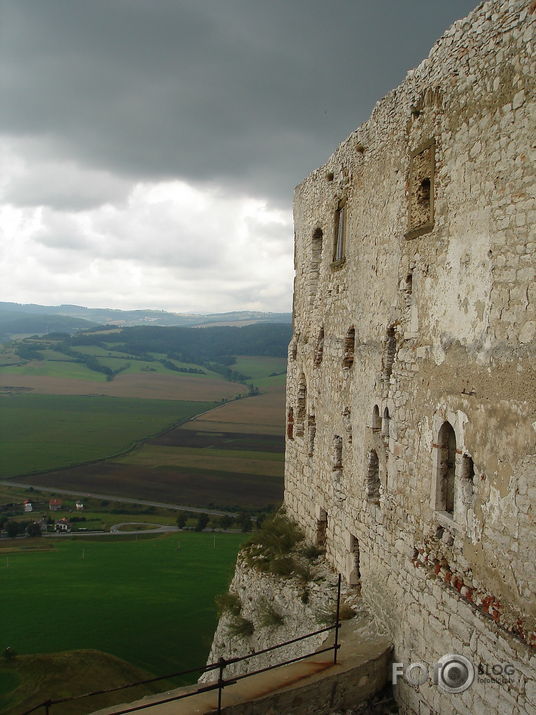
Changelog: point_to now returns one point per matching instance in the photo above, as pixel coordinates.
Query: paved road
(114, 531)
(120, 500)
(156, 528)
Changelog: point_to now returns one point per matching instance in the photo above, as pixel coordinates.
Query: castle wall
(415, 293)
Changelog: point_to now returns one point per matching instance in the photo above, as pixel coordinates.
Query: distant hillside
(17, 323)
(192, 345)
(123, 318)
(112, 350)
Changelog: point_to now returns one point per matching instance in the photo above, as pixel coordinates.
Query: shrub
(33, 529)
(228, 603)
(202, 522)
(303, 572)
(311, 552)
(240, 626)
(281, 566)
(268, 548)
(269, 616)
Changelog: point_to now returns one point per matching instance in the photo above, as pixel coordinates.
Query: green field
(149, 602)
(48, 368)
(259, 367)
(41, 432)
(260, 371)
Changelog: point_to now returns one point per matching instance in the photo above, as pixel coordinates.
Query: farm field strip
(257, 467)
(67, 430)
(225, 460)
(225, 441)
(266, 410)
(207, 489)
(142, 385)
(225, 427)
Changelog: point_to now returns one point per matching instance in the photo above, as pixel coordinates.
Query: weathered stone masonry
(411, 392)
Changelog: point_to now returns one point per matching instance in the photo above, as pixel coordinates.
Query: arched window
(290, 423)
(337, 453)
(389, 353)
(316, 260)
(354, 575)
(347, 421)
(446, 444)
(408, 290)
(373, 477)
(349, 348)
(311, 434)
(319, 349)
(302, 406)
(340, 233)
(385, 423)
(376, 420)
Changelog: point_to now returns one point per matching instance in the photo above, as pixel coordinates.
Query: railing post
(337, 623)
(221, 662)
(47, 707)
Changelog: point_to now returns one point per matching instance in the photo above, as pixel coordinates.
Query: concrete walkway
(313, 685)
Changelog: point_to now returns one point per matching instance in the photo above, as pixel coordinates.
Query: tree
(244, 521)
(226, 521)
(12, 528)
(181, 520)
(202, 521)
(33, 529)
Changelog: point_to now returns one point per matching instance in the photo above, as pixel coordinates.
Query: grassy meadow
(148, 601)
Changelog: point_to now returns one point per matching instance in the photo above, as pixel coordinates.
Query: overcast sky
(149, 148)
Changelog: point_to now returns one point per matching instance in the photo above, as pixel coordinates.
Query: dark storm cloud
(251, 94)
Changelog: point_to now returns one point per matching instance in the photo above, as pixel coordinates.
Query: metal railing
(220, 666)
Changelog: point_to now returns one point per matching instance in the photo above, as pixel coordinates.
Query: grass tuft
(241, 627)
(228, 602)
(269, 616)
(268, 549)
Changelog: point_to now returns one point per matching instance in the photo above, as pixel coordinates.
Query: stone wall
(411, 447)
